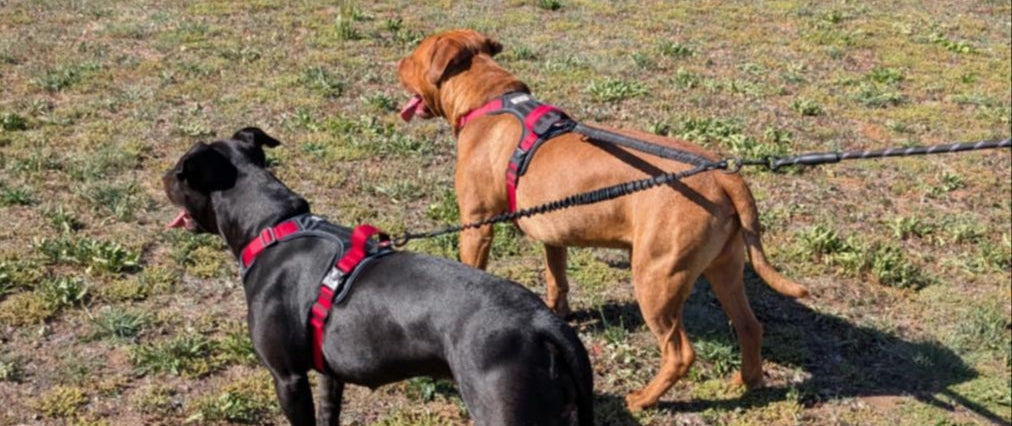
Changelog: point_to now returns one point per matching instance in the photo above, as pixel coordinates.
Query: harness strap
(540, 121)
(338, 275)
(267, 238)
(493, 105)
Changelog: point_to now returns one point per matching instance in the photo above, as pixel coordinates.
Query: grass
(187, 355)
(94, 255)
(614, 90)
(61, 402)
(107, 317)
(119, 323)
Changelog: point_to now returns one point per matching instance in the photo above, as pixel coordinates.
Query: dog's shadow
(841, 359)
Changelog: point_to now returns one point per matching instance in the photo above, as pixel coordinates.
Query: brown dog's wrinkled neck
(473, 87)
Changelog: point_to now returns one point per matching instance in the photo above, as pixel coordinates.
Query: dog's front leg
(556, 296)
(475, 245)
(296, 397)
(331, 391)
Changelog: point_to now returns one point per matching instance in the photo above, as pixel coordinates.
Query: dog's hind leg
(556, 296)
(296, 397)
(725, 275)
(331, 392)
(661, 296)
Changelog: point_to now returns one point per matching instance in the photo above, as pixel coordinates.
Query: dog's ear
(255, 140)
(205, 169)
(493, 46)
(454, 49)
(255, 136)
(447, 54)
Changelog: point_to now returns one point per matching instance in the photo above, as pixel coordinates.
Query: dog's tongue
(409, 110)
(180, 220)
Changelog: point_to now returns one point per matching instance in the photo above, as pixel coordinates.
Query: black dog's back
(409, 314)
(496, 336)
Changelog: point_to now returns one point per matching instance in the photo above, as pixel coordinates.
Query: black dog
(406, 315)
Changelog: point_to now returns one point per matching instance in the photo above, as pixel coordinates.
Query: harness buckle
(333, 279)
(267, 237)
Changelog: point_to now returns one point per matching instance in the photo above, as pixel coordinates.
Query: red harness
(335, 285)
(541, 122)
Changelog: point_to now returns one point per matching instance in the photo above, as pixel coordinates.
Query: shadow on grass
(841, 359)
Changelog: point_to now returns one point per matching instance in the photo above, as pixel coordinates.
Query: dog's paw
(638, 400)
(559, 307)
(738, 381)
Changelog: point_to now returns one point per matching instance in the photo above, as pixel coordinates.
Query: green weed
(11, 369)
(612, 90)
(247, 400)
(194, 129)
(876, 96)
(380, 102)
(63, 291)
(807, 107)
(106, 161)
(15, 197)
(61, 401)
(18, 274)
(425, 389)
(719, 357)
(885, 75)
(65, 76)
(548, 4)
(12, 122)
(344, 25)
(186, 355)
(322, 82)
(774, 143)
(909, 226)
(686, 79)
(884, 262)
(237, 346)
(957, 46)
(116, 322)
(891, 267)
(63, 219)
(520, 53)
(984, 328)
(185, 247)
(117, 199)
(416, 417)
(372, 137)
(96, 255)
(25, 308)
(244, 54)
(159, 400)
(675, 49)
(821, 240)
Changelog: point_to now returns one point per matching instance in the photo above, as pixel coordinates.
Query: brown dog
(702, 225)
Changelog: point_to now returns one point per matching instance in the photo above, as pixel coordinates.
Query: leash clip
(731, 165)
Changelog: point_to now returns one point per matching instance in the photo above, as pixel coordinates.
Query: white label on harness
(520, 99)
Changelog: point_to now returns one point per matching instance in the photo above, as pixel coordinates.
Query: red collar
(266, 238)
(490, 106)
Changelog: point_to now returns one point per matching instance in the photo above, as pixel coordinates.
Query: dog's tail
(576, 365)
(744, 203)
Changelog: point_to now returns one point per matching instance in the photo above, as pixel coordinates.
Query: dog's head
(207, 168)
(435, 60)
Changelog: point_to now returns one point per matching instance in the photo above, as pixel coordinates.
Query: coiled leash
(732, 165)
